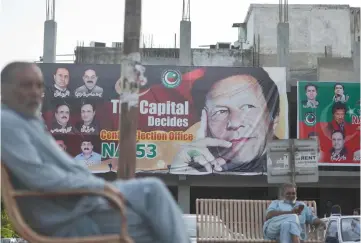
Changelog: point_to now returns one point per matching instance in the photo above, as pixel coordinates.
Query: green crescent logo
(310, 119)
(171, 78)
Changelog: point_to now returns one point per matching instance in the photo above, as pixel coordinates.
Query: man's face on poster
(311, 92)
(338, 90)
(61, 78)
(62, 115)
(90, 78)
(87, 113)
(86, 147)
(339, 116)
(337, 141)
(237, 112)
(61, 144)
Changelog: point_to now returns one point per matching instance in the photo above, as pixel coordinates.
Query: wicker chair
(9, 196)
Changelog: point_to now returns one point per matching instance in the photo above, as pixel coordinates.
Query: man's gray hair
(7, 73)
(285, 186)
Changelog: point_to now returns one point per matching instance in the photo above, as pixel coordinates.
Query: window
(332, 232)
(350, 229)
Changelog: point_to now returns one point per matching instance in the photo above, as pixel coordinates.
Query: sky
(22, 22)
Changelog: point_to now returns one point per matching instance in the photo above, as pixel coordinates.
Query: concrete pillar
(49, 46)
(184, 196)
(185, 51)
(283, 49)
(356, 60)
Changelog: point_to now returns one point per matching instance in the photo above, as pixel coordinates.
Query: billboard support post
(292, 161)
(129, 86)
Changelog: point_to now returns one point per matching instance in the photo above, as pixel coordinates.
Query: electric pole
(130, 71)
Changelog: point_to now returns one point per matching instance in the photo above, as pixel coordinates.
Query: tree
(7, 230)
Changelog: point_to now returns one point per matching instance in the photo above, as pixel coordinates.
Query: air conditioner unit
(117, 44)
(224, 45)
(97, 44)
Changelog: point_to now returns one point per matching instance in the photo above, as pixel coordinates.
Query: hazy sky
(21, 23)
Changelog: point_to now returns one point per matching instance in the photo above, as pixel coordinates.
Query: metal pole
(292, 161)
(54, 10)
(128, 120)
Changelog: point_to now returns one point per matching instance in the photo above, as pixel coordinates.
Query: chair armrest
(115, 198)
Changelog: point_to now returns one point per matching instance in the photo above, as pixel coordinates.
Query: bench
(238, 221)
(10, 195)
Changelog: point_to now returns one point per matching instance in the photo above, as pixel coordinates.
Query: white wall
(312, 27)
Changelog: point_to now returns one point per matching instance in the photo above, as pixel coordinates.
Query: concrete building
(324, 45)
(165, 56)
(324, 39)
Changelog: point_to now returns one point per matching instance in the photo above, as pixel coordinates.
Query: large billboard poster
(330, 112)
(192, 120)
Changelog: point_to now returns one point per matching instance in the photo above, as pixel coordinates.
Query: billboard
(192, 120)
(330, 112)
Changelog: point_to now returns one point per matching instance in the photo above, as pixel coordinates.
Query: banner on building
(192, 120)
(330, 112)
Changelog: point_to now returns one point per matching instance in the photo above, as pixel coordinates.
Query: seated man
(286, 219)
(37, 163)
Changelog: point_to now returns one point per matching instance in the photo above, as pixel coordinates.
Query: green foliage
(7, 230)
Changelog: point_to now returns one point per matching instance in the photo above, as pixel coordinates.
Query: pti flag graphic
(192, 120)
(330, 113)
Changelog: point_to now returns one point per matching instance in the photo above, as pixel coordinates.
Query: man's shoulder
(98, 89)
(97, 154)
(301, 203)
(10, 118)
(273, 202)
(81, 89)
(277, 200)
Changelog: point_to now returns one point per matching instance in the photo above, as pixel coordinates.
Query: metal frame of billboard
(292, 161)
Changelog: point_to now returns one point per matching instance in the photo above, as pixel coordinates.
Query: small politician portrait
(61, 124)
(87, 155)
(338, 122)
(311, 94)
(239, 111)
(90, 87)
(61, 82)
(338, 152)
(357, 156)
(88, 124)
(315, 136)
(339, 91)
(61, 144)
(60, 140)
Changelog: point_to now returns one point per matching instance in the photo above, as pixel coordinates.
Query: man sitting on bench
(286, 219)
(37, 163)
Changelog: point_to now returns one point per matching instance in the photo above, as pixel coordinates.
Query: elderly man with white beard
(37, 163)
(286, 218)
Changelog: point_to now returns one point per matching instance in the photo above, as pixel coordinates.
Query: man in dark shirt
(61, 82)
(311, 93)
(88, 125)
(61, 123)
(90, 87)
